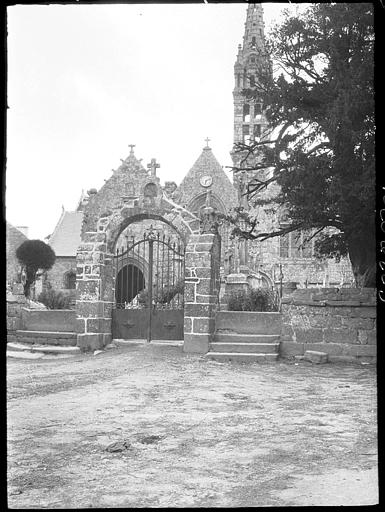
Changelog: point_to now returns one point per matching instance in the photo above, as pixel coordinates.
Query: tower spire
(251, 61)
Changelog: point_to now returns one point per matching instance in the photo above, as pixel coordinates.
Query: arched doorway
(129, 282)
(149, 283)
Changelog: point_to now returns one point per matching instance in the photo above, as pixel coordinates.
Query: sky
(85, 81)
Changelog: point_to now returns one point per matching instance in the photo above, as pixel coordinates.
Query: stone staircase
(245, 336)
(42, 343)
(45, 335)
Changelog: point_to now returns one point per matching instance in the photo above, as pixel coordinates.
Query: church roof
(66, 236)
(221, 186)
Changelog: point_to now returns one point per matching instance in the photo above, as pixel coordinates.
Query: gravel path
(189, 432)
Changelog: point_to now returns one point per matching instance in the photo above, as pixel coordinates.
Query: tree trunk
(363, 259)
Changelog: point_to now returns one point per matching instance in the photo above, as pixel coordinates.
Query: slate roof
(66, 236)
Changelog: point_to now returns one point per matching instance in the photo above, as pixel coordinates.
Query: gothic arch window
(70, 280)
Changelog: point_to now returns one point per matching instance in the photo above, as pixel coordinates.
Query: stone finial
(153, 166)
(207, 143)
(131, 146)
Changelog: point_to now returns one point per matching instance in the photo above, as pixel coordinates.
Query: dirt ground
(191, 432)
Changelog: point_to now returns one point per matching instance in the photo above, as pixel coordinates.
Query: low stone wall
(340, 322)
(16, 301)
(54, 320)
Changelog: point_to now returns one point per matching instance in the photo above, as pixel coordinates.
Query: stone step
(47, 337)
(246, 338)
(248, 322)
(42, 349)
(241, 358)
(255, 348)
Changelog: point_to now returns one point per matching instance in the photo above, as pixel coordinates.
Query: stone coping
(322, 303)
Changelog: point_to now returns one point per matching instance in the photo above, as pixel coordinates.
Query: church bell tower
(252, 60)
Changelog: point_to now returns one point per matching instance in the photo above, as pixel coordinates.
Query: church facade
(135, 195)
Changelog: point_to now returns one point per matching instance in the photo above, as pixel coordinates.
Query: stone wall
(340, 322)
(201, 295)
(16, 301)
(55, 276)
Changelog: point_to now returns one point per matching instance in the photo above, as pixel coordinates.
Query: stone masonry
(339, 322)
(16, 301)
(94, 290)
(202, 264)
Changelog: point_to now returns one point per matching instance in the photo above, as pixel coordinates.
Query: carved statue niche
(149, 194)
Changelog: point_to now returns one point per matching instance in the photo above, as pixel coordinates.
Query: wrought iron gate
(149, 285)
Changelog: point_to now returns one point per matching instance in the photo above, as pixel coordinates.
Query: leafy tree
(319, 148)
(34, 255)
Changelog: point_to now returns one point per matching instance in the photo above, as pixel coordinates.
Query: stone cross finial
(153, 166)
(131, 146)
(207, 142)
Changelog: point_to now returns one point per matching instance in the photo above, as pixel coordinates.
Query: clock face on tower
(206, 181)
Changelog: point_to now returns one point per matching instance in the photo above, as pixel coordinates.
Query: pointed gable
(65, 239)
(207, 171)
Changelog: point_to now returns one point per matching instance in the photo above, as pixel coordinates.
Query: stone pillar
(94, 290)
(201, 299)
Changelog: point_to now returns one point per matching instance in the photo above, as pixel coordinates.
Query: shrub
(259, 299)
(34, 255)
(164, 296)
(53, 299)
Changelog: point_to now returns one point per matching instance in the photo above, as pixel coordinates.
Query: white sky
(84, 81)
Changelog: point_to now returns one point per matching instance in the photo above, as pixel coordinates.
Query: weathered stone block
(87, 342)
(88, 290)
(197, 259)
(364, 312)
(308, 335)
(202, 239)
(85, 247)
(80, 325)
(360, 350)
(203, 272)
(290, 348)
(189, 292)
(94, 237)
(287, 329)
(101, 325)
(203, 325)
(199, 310)
(107, 338)
(187, 324)
(196, 343)
(326, 320)
(204, 286)
(328, 348)
(87, 309)
(358, 323)
(206, 299)
(316, 357)
(340, 336)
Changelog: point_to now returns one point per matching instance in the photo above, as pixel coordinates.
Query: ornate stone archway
(95, 280)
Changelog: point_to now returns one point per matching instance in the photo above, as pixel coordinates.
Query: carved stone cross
(153, 166)
(131, 146)
(207, 142)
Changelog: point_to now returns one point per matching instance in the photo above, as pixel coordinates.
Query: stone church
(134, 193)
